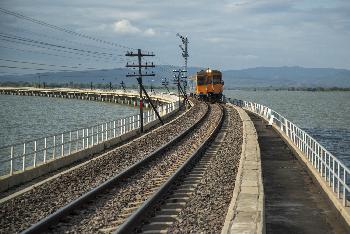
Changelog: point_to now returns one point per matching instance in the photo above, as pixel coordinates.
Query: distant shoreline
(309, 89)
(172, 88)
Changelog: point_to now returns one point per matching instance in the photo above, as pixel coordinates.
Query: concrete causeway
(294, 202)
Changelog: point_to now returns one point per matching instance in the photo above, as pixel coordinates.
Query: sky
(229, 34)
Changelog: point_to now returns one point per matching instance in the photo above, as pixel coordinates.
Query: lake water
(324, 115)
(28, 117)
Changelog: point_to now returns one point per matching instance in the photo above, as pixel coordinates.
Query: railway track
(200, 192)
(104, 209)
(25, 208)
(162, 209)
(107, 206)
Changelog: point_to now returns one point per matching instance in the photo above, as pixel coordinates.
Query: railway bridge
(237, 167)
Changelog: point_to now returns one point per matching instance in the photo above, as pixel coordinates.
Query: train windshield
(217, 80)
(201, 80)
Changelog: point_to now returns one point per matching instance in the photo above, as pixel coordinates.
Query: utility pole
(185, 55)
(165, 84)
(122, 85)
(110, 85)
(177, 80)
(177, 74)
(139, 76)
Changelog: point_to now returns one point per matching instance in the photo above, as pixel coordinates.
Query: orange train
(208, 85)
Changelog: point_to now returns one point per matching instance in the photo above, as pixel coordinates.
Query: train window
(209, 80)
(201, 80)
(217, 80)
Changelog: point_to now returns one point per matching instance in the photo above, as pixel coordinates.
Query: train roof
(204, 72)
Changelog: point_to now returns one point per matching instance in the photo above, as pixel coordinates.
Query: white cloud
(246, 56)
(124, 26)
(150, 32)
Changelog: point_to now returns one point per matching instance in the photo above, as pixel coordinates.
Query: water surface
(324, 115)
(25, 118)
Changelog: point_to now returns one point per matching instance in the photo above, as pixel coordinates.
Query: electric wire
(40, 22)
(9, 36)
(43, 64)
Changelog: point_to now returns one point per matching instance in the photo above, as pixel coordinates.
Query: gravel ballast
(20, 212)
(206, 209)
(104, 214)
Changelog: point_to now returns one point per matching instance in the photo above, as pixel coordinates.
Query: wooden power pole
(139, 76)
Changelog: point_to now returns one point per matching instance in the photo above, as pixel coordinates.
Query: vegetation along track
(196, 199)
(111, 206)
(22, 211)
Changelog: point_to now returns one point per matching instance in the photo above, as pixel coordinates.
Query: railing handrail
(58, 145)
(326, 164)
(307, 134)
(60, 133)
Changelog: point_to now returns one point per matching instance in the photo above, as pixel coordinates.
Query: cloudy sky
(229, 34)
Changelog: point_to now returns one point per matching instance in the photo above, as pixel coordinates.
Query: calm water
(324, 115)
(26, 117)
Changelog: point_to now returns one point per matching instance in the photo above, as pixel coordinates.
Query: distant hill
(116, 76)
(251, 77)
(287, 77)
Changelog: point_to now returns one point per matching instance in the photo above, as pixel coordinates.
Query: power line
(53, 49)
(51, 70)
(43, 64)
(22, 30)
(21, 16)
(9, 36)
(37, 69)
(63, 56)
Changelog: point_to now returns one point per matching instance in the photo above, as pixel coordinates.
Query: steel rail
(145, 210)
(45, 223)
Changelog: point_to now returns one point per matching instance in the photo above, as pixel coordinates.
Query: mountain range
(250, 77)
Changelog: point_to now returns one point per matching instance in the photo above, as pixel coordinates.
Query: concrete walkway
(293, 203)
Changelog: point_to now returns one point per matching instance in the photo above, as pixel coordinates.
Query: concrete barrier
(246, 211)
(10, 181)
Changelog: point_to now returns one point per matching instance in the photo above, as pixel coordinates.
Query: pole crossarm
(136, 75)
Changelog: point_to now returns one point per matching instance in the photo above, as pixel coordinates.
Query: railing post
(271, 120)
(62, 145)
(77, 142)
(344, 187)
(11, 162)
(70, 143)
(45, 149)
(102, 136)
(87, 138)
(97, 134)
(54, 147)
(114, 129)
(34, 159)
(338, 180)
(24, 157)
(83, 138)
(106, 132)
(92, 136)
(329, 169)
(333, 175)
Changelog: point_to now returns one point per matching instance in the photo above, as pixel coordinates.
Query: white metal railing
(334, 172)
(30, 154)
